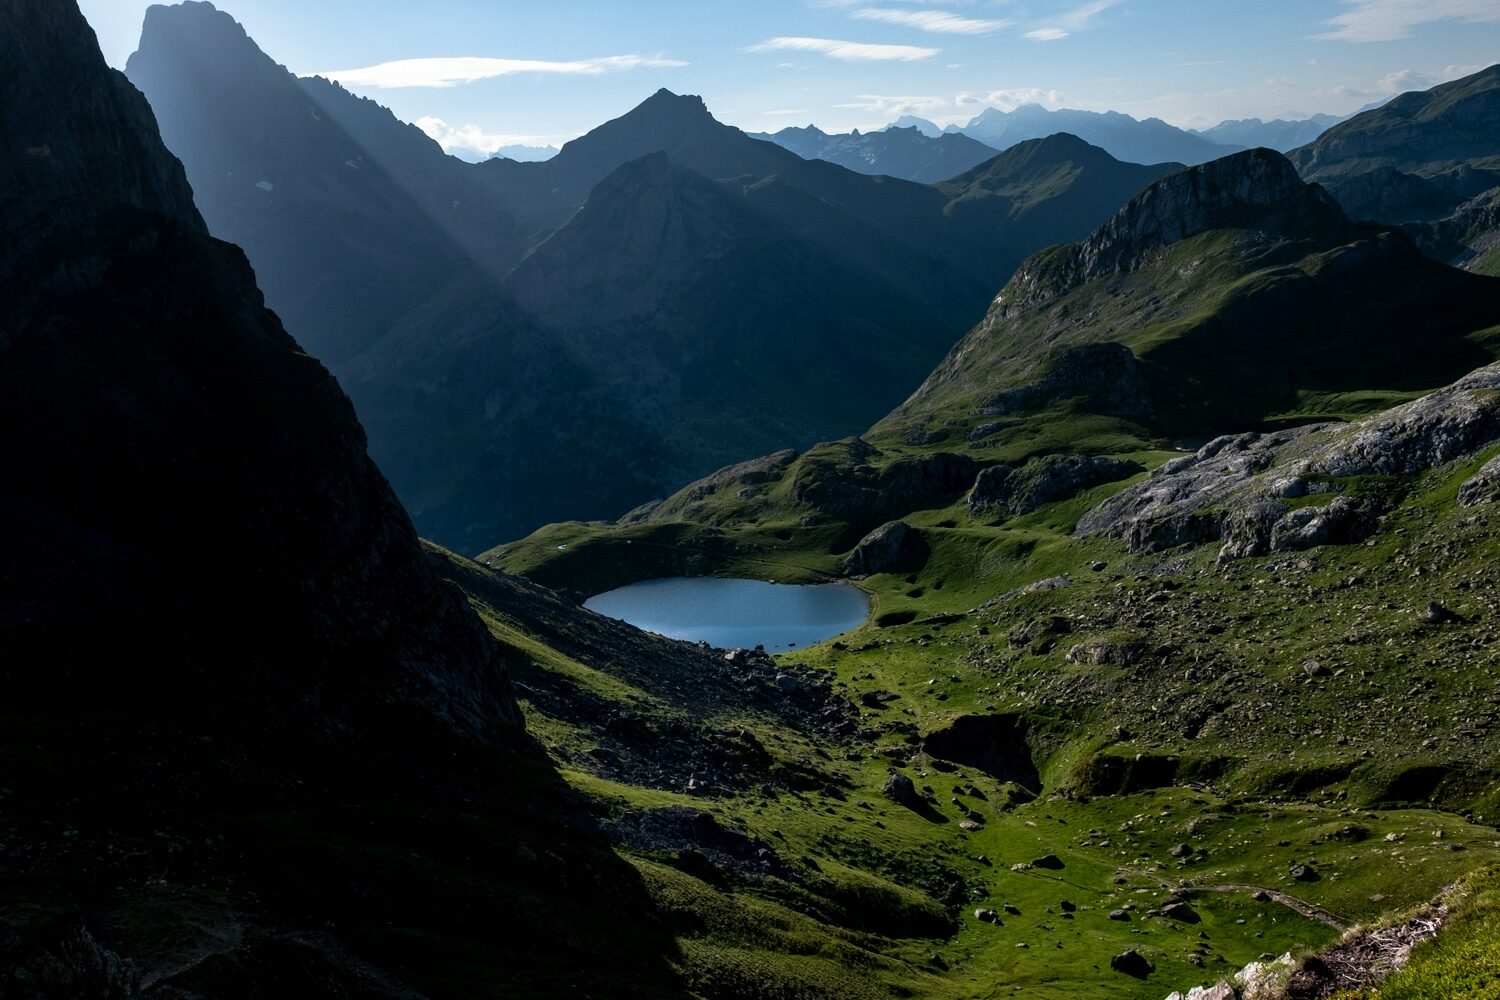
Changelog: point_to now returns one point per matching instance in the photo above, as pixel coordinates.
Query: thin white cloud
(937, 21)
(1076, 19)
(1009, 99)
(959, 107)
(451, 72)
(894, 107)
(473, 137)
(1390, 20)
(848, 51)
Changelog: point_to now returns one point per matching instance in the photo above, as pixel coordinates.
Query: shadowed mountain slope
(1416, 157)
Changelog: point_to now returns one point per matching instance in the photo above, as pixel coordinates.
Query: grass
(1355, 774)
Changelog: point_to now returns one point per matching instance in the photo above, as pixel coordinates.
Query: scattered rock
(900, 789)
(1132, 963)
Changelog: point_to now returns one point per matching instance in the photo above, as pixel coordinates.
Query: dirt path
(1301, 906)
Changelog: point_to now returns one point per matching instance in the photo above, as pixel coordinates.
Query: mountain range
(1278, 134)
(907, 153)
(487, 318)
(1180, 666)
(1123, 137)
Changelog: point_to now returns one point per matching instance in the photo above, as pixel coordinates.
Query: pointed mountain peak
(664, 103)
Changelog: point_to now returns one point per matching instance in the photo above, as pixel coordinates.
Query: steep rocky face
(1416, 157)
(96, 148)
(195, 485)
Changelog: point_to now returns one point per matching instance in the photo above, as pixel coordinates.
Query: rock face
(1103, 378)
(863, 492)
(1484, 488)
(1003, 489)
(1251, 491)
(196, 485)
(880, 551)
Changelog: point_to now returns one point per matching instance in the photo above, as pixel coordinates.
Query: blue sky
(483, 72)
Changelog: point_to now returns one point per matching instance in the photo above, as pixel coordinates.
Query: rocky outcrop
(1259, 493)
(195, 484)
(862, 492)
(1484, 487)
(1003, 489)
(880, 551)
(1103, 378)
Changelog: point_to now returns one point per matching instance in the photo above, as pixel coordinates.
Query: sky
(479, 74)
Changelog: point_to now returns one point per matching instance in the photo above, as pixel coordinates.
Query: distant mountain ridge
(907, 153)
(1123, 137)
(1279, 134)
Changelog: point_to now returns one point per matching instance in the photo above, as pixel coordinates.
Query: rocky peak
(198, 31)
(1257, 190)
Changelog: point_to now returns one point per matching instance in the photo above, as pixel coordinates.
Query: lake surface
(737, 613)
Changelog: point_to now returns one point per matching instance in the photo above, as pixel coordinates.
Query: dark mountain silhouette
(156, 406)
